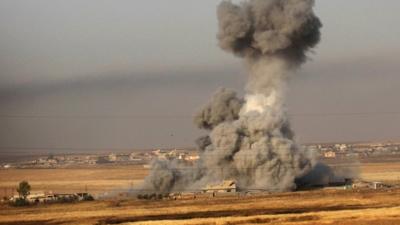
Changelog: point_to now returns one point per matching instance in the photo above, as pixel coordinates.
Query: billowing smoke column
(250, 140)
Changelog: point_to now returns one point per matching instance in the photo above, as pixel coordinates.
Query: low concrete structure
(370, 185)
(330, 154)
(48, 197)
(227, 186)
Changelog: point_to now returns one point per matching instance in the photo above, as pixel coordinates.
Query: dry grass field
(313, 207)
(385, 172)
(352, 207)
(95, 179)
(108, 178)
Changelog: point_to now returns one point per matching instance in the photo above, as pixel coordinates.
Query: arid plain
(305, 207)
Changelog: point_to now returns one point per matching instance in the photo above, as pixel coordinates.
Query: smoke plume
(223, 107)
(250, 139)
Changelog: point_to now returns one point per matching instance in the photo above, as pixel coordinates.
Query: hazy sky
(130, 74)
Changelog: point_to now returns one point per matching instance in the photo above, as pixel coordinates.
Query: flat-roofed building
(224, 187)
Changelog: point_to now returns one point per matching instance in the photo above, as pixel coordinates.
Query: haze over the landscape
(127, 74)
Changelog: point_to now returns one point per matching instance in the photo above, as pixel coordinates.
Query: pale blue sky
(126, 57)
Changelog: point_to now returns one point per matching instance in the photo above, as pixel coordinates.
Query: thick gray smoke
(250, 140)
(223, 107)
(279, 28)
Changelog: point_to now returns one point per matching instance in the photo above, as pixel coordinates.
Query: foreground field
(313, 207)
(351, 207)
(95, 180)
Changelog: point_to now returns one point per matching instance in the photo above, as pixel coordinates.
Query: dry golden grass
(351, 217)
(102, 179)
(95, 179)
(386, 172)
(314, 207)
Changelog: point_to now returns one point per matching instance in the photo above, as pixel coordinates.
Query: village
(332, 151)
(76, 160)
(355, 150)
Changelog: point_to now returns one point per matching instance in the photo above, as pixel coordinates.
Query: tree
(24, 189)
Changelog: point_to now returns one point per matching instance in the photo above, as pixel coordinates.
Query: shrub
(88, 198)
(159, 196)
(153, 196)
(67, 199)
(145, 196)
(20, 202)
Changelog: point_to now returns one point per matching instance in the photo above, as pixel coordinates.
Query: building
(36, 198)
(379, 185)
(192, 157)
(360, 184)
(112, 157)
(225, 187)
(173, 154)
(123, 157)
(7, 166)
(330, 154)
(82, 196)
(342, 148)
(160, 154)
(118, 157)
(135, 157)
(183, 155)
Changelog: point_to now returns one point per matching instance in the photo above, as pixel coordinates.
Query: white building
(224, 187)
(112, 157)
